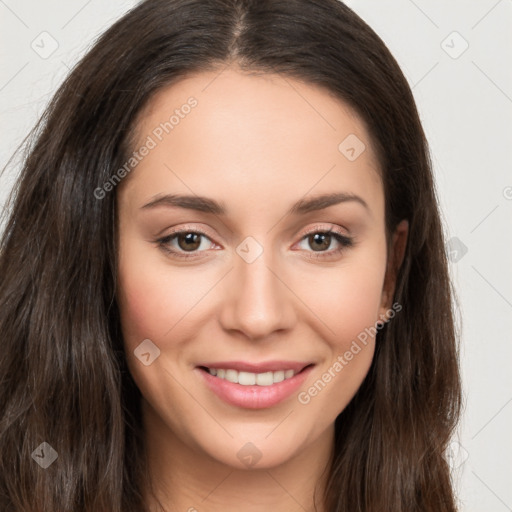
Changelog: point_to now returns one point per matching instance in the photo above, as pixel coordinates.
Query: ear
(396, 253)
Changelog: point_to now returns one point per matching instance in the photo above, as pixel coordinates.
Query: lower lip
(254, 397)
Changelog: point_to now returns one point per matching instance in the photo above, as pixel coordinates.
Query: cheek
(154, 297)
(347, 303)
(140, 303)
(346, 300)
(152, 301)
(358, 297)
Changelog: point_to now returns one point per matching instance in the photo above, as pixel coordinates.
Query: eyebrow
(208, 205)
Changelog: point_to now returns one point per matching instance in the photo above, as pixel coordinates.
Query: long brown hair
(63, 374)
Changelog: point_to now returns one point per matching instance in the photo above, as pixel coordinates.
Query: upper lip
(266, 366)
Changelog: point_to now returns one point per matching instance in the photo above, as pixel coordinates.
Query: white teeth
(251, 379)
(246, 378)
(265, 379)
(232, 376)
(279, 376)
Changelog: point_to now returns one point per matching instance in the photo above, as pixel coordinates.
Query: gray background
(465, 102)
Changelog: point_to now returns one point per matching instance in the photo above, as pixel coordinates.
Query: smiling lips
(254, 386)
(251, 379)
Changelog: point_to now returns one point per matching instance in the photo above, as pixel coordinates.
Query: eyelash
(344, 241)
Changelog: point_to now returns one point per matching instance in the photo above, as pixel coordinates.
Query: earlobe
(396, 255)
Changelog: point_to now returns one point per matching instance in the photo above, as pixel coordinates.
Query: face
(254, 283)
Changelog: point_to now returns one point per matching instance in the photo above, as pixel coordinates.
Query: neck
(185, 478)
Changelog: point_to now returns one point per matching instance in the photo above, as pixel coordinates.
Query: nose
(258, 300)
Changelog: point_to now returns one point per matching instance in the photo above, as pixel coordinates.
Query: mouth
(246, 378)
(265, 386)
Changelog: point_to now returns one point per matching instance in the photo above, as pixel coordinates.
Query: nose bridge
(259, 303)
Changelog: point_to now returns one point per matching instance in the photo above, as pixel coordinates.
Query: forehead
(251, 136)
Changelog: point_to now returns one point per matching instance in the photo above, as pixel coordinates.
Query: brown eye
(184, 244)
(189, 241)
(318, 243)
(321, 241)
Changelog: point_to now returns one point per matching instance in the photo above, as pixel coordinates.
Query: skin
(257, 144)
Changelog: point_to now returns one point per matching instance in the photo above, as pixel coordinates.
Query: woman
(223, 275)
